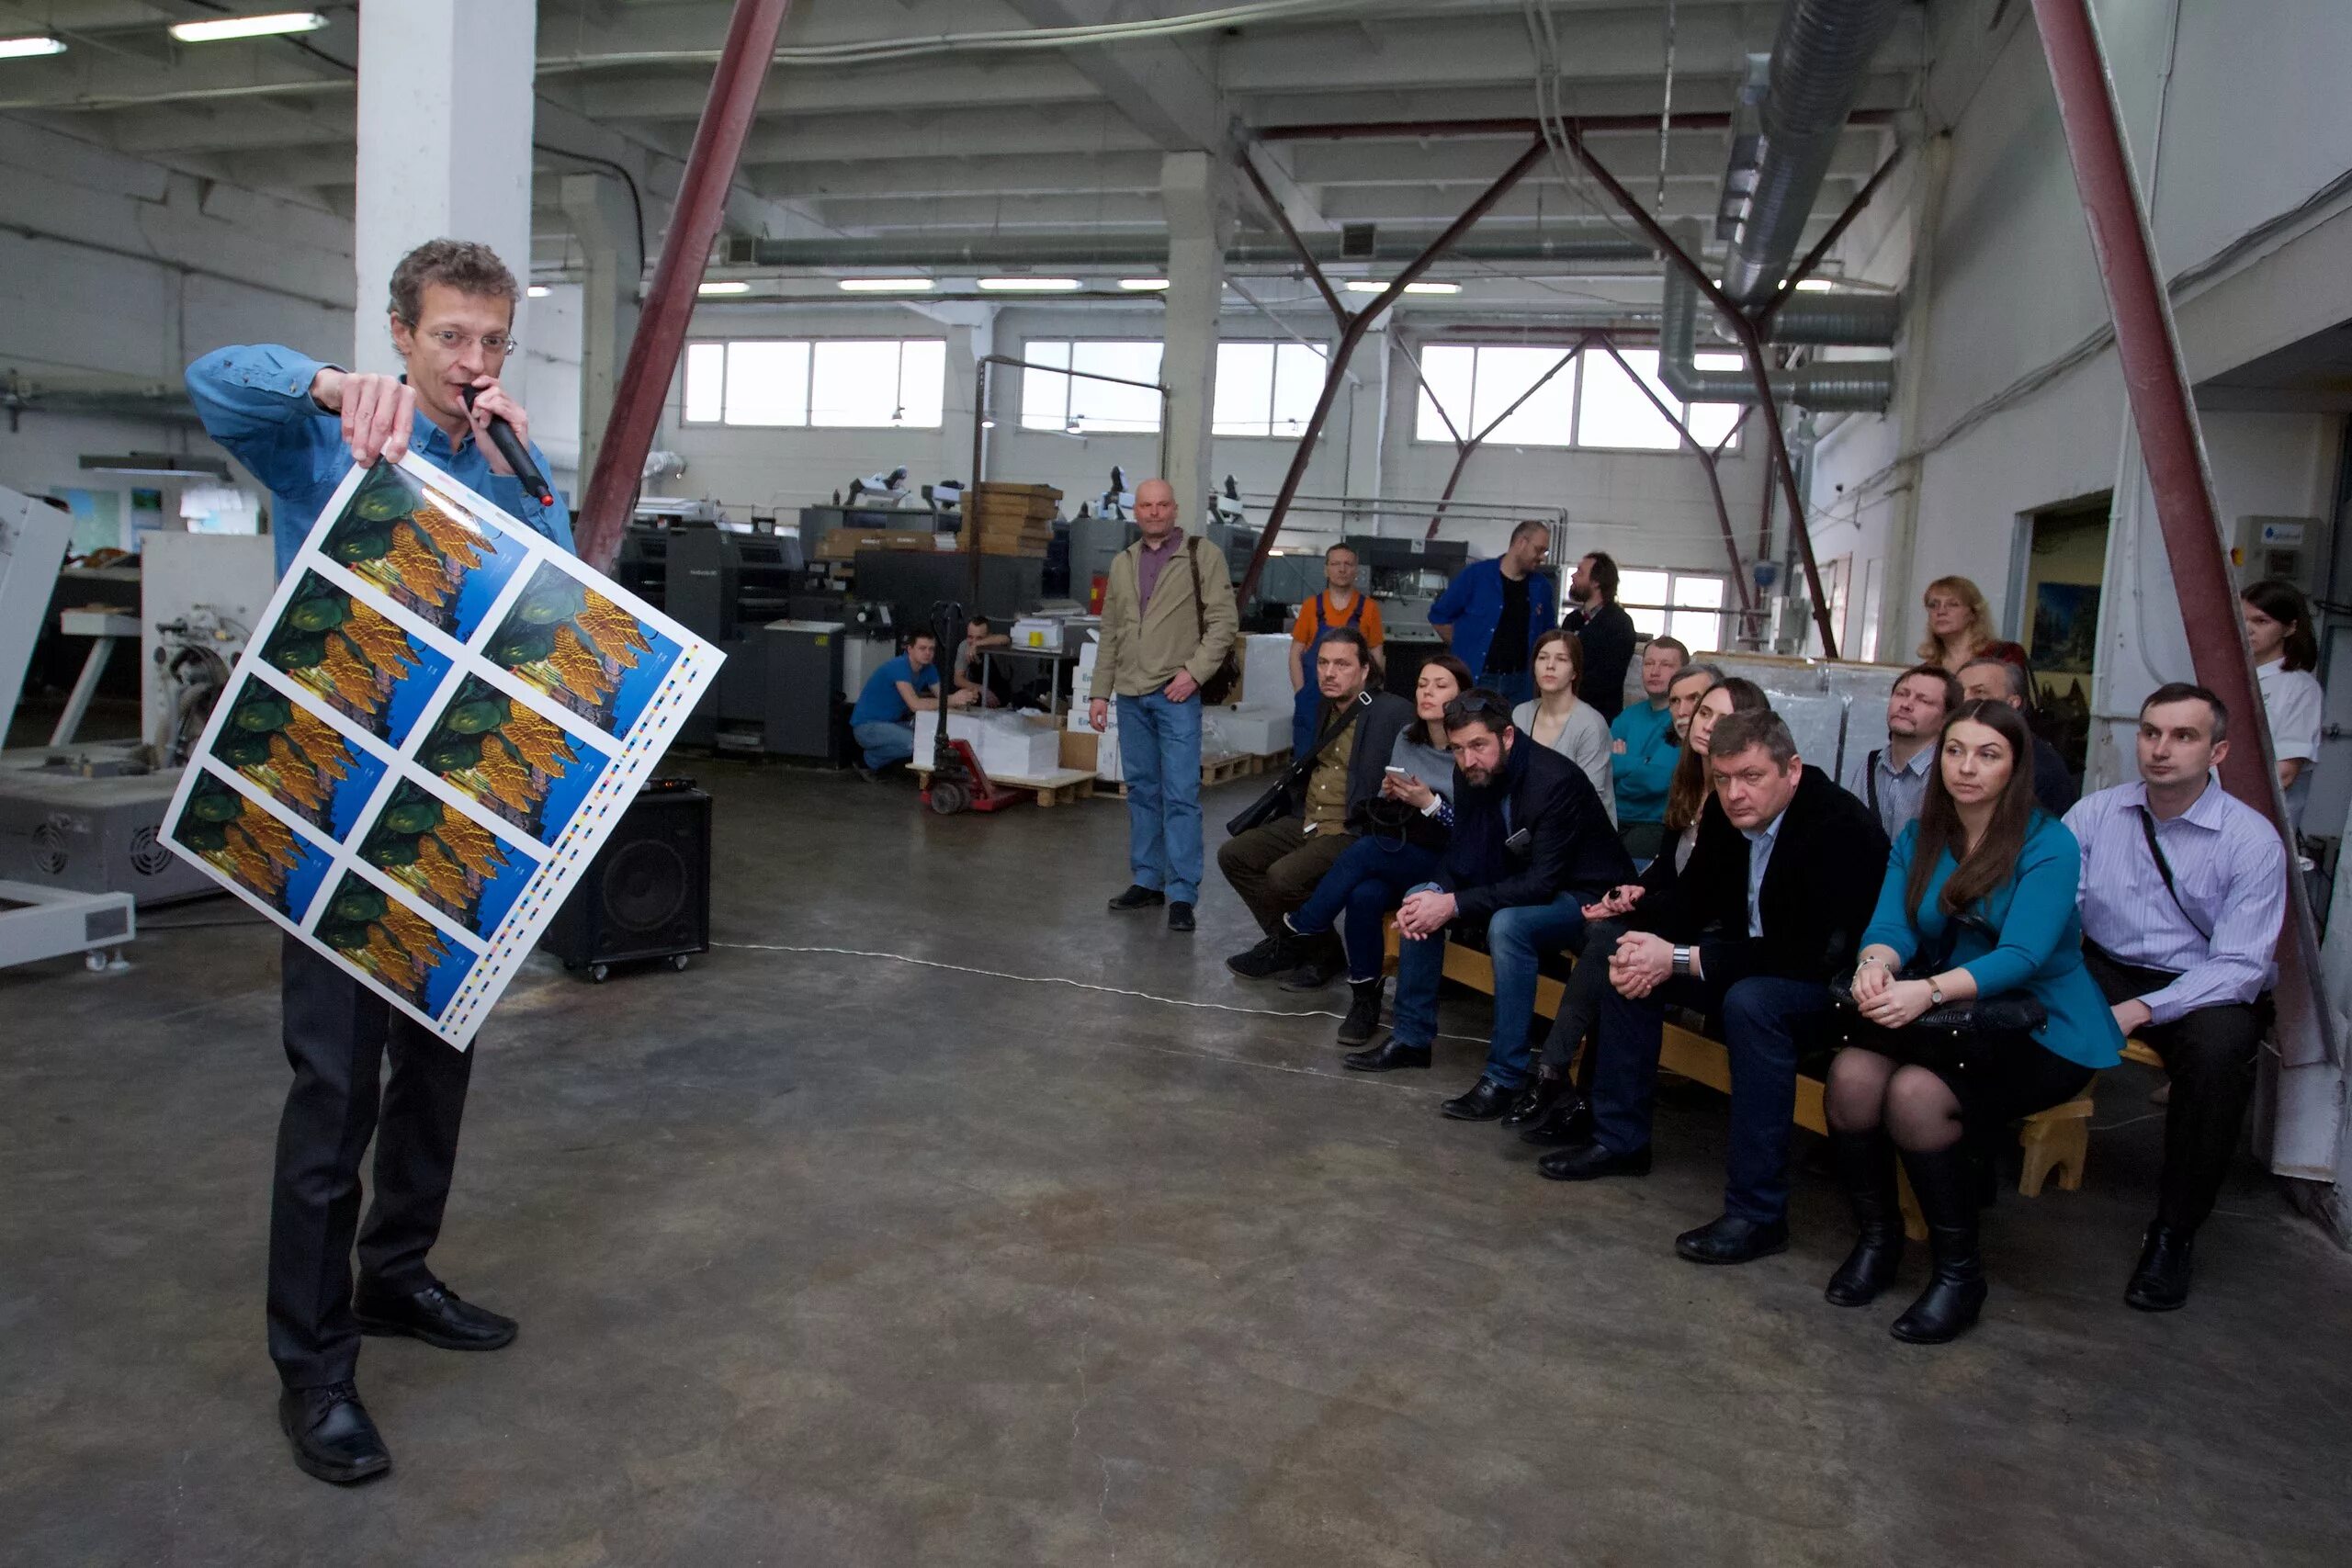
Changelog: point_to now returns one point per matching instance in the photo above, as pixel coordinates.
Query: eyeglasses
(497, 344)
(1472, 703)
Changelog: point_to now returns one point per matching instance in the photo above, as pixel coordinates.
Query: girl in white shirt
(2279, 630)
(1557, 719)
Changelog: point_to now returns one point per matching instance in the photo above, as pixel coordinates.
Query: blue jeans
(1159, 753)
(1517, 687)
(885, 743)
(1517, 939)
(1364, 885)
(1763, 1020)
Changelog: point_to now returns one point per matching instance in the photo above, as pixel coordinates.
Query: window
(1267, 389)
(1591, 402)
(880, 383)
(1080, 406)
(1684, 605)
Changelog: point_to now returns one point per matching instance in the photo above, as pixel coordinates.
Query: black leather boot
(1363, 1012)
(1273, 955)
(1865, 1163)
(1945, 1184)
(1535, 1103)
(2160, 1283)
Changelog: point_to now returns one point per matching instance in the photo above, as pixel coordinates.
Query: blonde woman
(1959, 626)
(1564, 722)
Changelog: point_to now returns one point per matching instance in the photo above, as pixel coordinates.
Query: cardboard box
(842, 544)
(1107, 758)
(1082, 750)
(1040, 631)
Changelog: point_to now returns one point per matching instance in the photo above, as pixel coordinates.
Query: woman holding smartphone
(1401, 837)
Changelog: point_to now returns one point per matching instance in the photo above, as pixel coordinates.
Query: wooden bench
(2055, 1142)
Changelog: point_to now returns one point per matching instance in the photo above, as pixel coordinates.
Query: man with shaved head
(1169, 620)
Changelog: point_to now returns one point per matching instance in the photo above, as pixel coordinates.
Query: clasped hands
(1885, 1000)
(1425, 913)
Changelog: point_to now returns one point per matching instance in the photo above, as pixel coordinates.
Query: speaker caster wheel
(599, 973)
(679, 961)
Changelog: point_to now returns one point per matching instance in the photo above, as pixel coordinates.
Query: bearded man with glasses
(299, 425)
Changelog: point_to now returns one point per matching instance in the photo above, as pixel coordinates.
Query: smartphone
(1397, 772)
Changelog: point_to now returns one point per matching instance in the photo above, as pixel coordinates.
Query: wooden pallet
(1059, 788)
(1221, 770)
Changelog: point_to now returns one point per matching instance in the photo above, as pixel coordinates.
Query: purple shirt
(1148, 561)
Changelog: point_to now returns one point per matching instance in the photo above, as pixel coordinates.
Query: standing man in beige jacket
(1168, 622)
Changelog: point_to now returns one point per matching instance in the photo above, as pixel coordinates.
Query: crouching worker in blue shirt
(1979, 902)
(299, 425)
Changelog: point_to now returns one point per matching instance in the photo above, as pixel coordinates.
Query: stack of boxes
(1010, 520)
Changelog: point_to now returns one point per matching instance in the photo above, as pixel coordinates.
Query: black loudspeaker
(647, 894)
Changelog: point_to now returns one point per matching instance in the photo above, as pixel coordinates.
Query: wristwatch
(1682, 961)
(1935, 995)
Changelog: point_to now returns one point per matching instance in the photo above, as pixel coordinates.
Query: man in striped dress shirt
(2184, 891)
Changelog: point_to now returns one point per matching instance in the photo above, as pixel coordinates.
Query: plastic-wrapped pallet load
(1256, 729)
(1265, 669)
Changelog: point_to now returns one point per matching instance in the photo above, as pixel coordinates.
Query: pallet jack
(957, 781)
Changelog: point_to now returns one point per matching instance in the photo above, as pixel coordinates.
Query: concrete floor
(829, 1259)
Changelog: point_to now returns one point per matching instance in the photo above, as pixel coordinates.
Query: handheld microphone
(518, 457)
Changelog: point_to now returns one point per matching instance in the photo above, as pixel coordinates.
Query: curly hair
(463, 264)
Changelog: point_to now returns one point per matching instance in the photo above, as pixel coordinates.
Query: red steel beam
(1706, 466)
(644, 384)
(1752, 348)
(2164, 413)
(1339, 311)
(1358, 325)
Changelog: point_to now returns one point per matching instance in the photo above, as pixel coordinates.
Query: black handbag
(1947, 1037)
(1275, 802)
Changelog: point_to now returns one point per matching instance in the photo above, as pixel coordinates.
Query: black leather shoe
(436, 1316)
(1729, 1240)
(1271, 957)
(1137, 897)
(2161, 1281)
(1865, 1163)
(1537, 1097)
(1568, 1122)
(1944, 1181)
(1363, 1012)
(1487, 1101)
(1591, 1160)
(333, 1438)
(1387, 1058)
(1180, 916)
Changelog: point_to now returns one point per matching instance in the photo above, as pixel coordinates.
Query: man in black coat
(1603, 630)
(1779, 888)
(1274, 867)
(1531, 846)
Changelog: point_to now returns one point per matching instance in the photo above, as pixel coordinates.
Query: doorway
(2064, 557)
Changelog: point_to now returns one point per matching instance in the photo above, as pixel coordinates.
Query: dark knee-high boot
(1945, 1183)
(1865, 1163)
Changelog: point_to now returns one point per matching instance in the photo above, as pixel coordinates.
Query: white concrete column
(1194, 190)
(445, 143)
(1365, 408)
(605, 223)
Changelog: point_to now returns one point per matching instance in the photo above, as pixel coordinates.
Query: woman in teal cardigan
(1987, 881)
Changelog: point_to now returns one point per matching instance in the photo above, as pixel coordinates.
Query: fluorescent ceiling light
(27, 48)
(725, 285)
(1814, 285)
(1143, 285)
(1030, 285)
(536, 291)
(159, 465)
(886, 285)
(1374, 285)
(268, 26)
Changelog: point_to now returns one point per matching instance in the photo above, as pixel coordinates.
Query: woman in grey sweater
(1560, 720)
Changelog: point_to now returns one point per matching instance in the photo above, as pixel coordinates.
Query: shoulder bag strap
(1870, 778)
(1200, 609)
(2164, 869)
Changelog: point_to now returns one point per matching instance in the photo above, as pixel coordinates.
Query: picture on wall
(399, 948)
(298, 758)
(518, 765)
(581, 649)
(424, 551)
(2065, 625)
(448, 860)
(244, 843)
(367, 668)
(403, 803)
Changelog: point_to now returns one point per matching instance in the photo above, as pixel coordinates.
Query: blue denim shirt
(255, 400)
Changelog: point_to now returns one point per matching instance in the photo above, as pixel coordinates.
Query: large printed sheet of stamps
(439, 720)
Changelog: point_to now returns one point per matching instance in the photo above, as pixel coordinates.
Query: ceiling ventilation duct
(1819, 62)
(1860, 320)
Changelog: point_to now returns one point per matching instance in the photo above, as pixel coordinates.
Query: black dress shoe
(1536, 1098)
(333, 1438)
(1486, 1101)
(436, 1316)
(1729, 1240)
(2161, 1281)
(1180, 916)
(1591, 1161)
(1387, 1058)
(1137, 897)
(1568, 1122)
(1271, 957)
